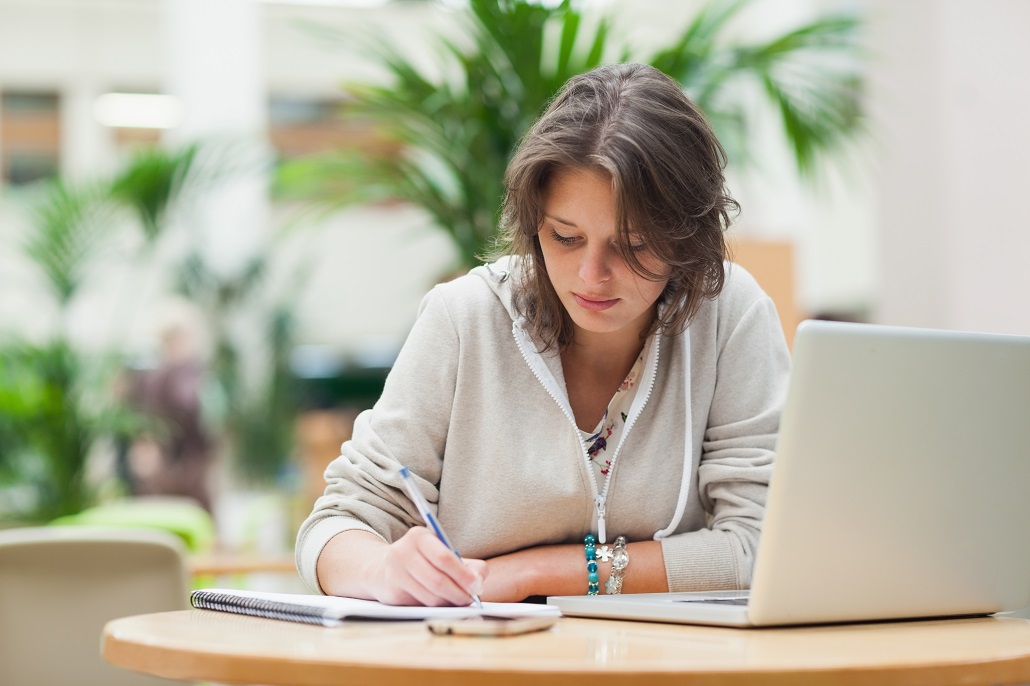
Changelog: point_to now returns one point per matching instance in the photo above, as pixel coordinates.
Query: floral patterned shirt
(600, 443)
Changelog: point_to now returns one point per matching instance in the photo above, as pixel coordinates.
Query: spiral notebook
(333, 611)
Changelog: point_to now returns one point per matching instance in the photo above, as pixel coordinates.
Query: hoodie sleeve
(737, 454)
(406, 427)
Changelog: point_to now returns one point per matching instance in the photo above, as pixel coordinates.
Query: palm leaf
(154, 178)
(810, 76)
(686, 59)
(71, 225)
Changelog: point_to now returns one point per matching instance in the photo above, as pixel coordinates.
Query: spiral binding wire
(257, 607)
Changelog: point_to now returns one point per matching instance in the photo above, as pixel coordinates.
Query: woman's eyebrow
(566, 222)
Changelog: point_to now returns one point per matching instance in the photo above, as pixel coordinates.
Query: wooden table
(213, 646)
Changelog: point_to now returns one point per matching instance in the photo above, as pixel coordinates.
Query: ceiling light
(138, 110)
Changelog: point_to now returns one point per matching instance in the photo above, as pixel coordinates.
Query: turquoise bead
(593, 580)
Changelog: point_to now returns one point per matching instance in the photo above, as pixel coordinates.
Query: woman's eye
(637, 247)
(564, 240)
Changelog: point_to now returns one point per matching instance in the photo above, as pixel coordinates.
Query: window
(30, 136)
(299, 126)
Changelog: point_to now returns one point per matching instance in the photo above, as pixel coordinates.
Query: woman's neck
(612, 351)
(595, 366)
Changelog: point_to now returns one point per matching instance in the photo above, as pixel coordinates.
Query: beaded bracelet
(620, 560)
(593, 580)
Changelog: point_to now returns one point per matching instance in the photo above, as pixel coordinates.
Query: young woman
(610, 378)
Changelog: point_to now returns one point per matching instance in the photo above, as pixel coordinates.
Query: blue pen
(423, 509)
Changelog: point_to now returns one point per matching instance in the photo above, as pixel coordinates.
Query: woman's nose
(595, 266)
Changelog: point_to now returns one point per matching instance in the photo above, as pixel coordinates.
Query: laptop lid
(901, 487)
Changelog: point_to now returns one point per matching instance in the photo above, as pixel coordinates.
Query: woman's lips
(594, 304)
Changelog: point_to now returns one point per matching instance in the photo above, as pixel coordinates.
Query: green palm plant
(54, 400)
(50, 414)
(810, 75)
(456, 131)
(257, 421)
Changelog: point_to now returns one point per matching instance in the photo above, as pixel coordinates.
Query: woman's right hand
(416, 569)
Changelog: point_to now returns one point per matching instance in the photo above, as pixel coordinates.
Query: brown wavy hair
(635, 124)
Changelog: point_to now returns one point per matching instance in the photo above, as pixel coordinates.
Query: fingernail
(477, 587)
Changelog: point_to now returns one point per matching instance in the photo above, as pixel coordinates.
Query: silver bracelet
(620, 560)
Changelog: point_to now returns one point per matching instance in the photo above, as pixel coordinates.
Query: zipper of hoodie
(599, 498)
(631, 419)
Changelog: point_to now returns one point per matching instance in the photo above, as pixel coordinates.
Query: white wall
(924, 228)
(951, 92)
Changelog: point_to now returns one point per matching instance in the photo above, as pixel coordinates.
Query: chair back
(60, 585)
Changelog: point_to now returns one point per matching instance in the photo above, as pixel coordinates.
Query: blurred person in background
(177, 456)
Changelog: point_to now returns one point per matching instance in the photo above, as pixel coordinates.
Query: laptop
(901, 488)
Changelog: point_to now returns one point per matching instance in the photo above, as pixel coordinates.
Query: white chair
(60, 585)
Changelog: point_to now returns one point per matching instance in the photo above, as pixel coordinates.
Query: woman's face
(600, 291)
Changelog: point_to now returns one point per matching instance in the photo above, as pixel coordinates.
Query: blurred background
(218, 217)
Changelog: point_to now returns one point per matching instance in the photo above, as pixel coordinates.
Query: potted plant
(56, 404)
(453, 133)
(52, 406)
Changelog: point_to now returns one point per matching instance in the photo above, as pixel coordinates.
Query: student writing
(608, 375)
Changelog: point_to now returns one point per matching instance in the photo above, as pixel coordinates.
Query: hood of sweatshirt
(499, 276)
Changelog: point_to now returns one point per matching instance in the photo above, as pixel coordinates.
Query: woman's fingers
(458, 571)
(421, 568)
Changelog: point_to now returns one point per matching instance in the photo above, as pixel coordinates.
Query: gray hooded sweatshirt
(483, 421)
